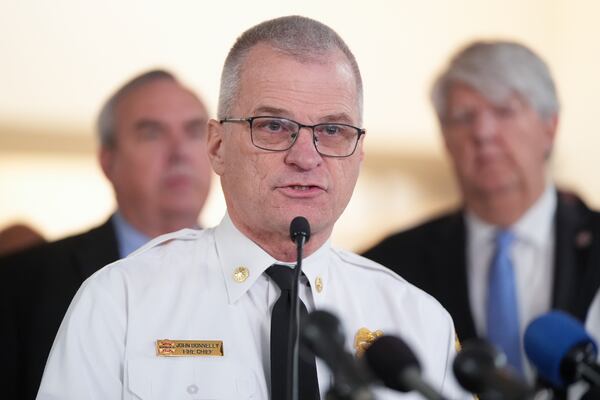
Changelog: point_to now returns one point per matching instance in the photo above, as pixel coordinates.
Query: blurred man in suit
(152, 135)
(518, 247)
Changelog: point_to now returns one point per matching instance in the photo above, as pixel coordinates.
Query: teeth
(300, 187)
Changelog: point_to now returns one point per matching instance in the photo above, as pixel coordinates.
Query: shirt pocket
(187, 378)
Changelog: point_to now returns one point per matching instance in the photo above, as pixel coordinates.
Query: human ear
(215, 145)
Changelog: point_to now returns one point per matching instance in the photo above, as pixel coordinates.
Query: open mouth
(298, 187)
(301, 190)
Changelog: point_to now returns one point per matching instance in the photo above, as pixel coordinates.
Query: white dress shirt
(532, 256)
(181, 286)
(592, 327)
(129, 239)
(592, 321)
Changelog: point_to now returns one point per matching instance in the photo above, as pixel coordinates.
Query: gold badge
(240, 274)
(189, 348)
(363, 339)
(319, 284)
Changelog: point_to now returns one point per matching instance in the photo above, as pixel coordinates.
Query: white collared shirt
(532, 256)
(592, 321)
(129, 239)
(592, 327)
(181, 286)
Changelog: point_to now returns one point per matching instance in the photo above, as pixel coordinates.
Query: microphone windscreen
(299, 227)
(548, 340)
(473, 363)
(388, 357)
(481, 369)
(322, 333)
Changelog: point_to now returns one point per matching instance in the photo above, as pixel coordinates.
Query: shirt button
(192, 389)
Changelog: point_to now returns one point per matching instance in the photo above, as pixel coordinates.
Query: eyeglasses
(280, 134)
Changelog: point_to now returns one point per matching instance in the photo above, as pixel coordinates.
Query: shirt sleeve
(450, 387)
(86, 359)
(592, 322)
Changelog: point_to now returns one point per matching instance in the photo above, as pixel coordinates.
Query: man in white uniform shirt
(592, 326)
(288, 143)
(593, 320)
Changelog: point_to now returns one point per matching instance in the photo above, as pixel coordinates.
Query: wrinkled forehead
(323, 74)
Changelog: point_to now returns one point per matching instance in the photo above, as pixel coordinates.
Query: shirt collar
(236, 251)
(534, 226)
(128, 238)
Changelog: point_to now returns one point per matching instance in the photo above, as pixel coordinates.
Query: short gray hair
(497, 69)
(106, 123)
(299, 37)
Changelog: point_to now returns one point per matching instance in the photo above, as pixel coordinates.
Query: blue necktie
(502, 307)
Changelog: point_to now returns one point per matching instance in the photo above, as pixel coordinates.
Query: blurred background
(61, 59)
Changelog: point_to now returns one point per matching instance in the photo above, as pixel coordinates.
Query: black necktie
(308, 387)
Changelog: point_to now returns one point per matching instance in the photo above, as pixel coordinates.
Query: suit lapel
(98, 248)
(574, 280)
(564, 255)
(452, 275)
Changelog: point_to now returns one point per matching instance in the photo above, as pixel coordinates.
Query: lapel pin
(319, 284)
(240, 274)
(583, 239)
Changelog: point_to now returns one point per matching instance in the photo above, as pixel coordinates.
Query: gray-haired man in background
(518, 247)
(152, 135)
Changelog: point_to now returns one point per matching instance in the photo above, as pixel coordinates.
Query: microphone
(480, 369)
(323, 335)
(561, 350)
(300, 234)
(396, 365)
(299, 229)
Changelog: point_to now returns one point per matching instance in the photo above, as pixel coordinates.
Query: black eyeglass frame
(249, 120)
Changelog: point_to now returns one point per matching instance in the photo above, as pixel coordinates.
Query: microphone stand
(295, 320)
(294, 326)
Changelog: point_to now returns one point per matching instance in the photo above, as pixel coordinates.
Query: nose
(485, 126)
(303, 153)
(178, 146)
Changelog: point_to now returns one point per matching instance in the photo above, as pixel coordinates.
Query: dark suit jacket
(432, 256)
(37, 287)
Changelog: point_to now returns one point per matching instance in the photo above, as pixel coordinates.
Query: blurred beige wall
(61, 59)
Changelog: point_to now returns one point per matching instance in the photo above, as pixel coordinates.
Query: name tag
(189, 348)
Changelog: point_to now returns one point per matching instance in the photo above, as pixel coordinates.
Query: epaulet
(183, 234)
(363, 262)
